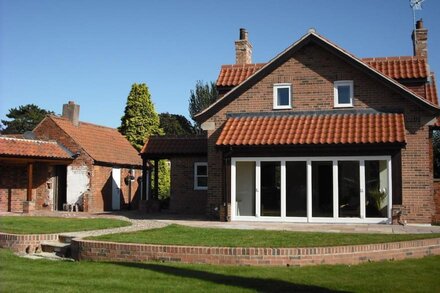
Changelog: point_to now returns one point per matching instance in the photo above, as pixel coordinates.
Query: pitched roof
(431, 90)
(306, 129)
(403, 67)
(103, 144)
(234, 75)
(18, 147)
(175, 145)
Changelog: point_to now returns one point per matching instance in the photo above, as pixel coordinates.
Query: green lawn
(183, 235)
(24, 275)
(46, 225)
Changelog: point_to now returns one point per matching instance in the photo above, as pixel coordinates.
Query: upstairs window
(201, 176)
(282, 96)
(343, 91)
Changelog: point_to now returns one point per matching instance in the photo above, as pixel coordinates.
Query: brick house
(105, 169)
(320, 135)
(28, 169)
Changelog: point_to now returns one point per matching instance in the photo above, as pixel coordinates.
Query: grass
(24, 275)
(183, 235)
(46, 225)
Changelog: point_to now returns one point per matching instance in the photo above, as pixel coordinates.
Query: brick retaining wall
(353, 254)
(25, 243)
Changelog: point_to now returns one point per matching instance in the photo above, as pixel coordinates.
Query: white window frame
(196, 186)
(275, 95)
(309, 218)
(337, 84)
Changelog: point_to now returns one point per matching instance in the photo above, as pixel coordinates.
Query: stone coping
(349, 254)
(28, 243)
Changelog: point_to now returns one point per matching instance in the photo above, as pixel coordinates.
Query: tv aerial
(415, 5)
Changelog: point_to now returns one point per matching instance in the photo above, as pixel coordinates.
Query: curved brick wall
(355, 254)
(25, 243)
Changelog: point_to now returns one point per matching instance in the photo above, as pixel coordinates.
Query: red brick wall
(184, 199)
(25, 243)
(436, 217)
(349, 255)
(100, 198)
(312, 71)
(13, 187)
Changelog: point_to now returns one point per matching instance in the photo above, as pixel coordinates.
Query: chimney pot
(419, 24)
(243, 34)
(71, 112)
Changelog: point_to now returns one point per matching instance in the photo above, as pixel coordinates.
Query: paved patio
(141, 221)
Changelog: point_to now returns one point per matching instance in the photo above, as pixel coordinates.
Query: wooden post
(156, 179)
(144, 179)
(30, 183)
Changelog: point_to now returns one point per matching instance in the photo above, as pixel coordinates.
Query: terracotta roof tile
(232, 75)
(32, 148)
(166, 146)
(403, 67)
(103, 144)
(313, 129)
(431, 91)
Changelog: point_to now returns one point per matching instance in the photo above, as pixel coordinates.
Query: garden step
(46, 255)
(65, 238)
(60, 249)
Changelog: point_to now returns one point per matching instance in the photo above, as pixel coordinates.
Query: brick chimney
(243, 49)
(420, 40)
(71, 112)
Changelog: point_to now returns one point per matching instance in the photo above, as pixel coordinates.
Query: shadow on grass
(257, 284)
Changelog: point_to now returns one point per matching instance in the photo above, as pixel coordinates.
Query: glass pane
(202, 170)
(344, 94)
(283, 96)
(322, 189)
(271, 189)
(376, 184)
(202, 181)
(296, 189)
(245, 189)
(349, 189)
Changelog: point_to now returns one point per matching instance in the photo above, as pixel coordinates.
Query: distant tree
(201, 98)
(174, 124)
(24, 118)
(140, 119)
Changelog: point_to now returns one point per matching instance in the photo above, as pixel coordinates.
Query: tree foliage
(24, 118)
(174, 124)
(140, 119)
(201, 98)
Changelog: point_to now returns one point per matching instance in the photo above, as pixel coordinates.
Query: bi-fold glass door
(347, 189)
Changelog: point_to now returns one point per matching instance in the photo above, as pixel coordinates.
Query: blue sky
(91, 52)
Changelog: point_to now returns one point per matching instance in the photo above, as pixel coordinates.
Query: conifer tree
(140, 119)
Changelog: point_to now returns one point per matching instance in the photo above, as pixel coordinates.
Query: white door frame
(309, 218)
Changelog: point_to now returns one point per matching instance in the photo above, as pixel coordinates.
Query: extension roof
(312, 129)
(167, 146)
(30, 148)
(102, 144)
(386, 70)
